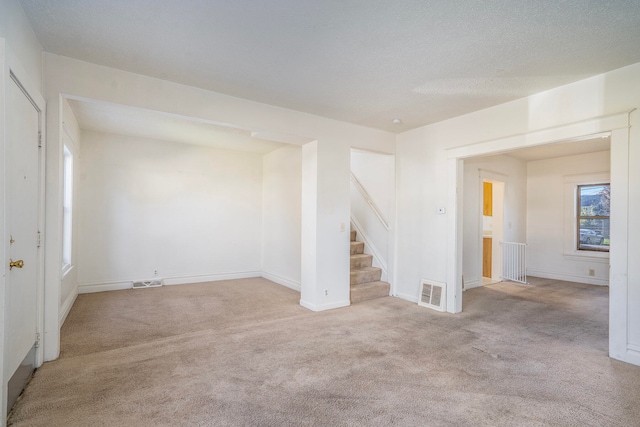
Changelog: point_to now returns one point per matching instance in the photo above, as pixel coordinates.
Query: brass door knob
(18, 264)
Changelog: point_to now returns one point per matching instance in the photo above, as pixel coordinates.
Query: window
(67, 209)
(593, 221)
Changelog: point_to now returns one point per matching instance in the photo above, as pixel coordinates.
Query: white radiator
(514, 261)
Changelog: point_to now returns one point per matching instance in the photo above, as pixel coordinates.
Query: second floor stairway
(365, 279)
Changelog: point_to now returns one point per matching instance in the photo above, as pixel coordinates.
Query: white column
(325, 225)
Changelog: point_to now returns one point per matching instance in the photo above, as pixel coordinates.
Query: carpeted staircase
(365, 279)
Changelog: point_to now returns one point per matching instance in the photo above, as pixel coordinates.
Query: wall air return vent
(143, 284)
(433, 295)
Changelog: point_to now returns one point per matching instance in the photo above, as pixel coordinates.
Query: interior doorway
(616, 127)
(492, 229)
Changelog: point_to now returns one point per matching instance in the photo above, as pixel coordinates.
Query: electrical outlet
(326, 292)
(592, 272)
(155, 272)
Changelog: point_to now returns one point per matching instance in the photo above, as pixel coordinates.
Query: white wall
(334, 139)
(426, 243)
(21, 40)
(325, 268)
(376, 175)
(20, 52)
(189, 212)
(281, 216)
(551, 218)
(325, 225)
(71, 137)
(514, 173)
(375, 171)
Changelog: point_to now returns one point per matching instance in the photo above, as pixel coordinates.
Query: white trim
(634, 348)
(68, 303)
(86, 288)
(407, 297)
(496, 250)
(296, 286)
(455, 203)
(89, 288)
(323, 307)
(618, 126)
(632, 355)
(183, 280)
(619, 298)
(66, 269)
(568, 277)
(570, 231)
(367, 198)
(472, 284)
(570, 131)
(588, 256)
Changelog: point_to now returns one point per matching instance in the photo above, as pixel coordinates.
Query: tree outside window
(594, 202)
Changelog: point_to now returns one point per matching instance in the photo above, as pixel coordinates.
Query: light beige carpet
(244, 353)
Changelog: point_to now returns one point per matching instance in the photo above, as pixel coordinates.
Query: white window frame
(578, 216)
(571, 231)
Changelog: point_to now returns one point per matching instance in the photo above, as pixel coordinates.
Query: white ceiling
(562, 149)
(123, 120)
(360, 61)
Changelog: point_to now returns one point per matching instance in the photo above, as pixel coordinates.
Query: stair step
(357, 248)
(365, 275)
(353, 235)
(367, 291)
(361, 260)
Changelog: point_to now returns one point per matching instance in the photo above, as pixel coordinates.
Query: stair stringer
(369, 248)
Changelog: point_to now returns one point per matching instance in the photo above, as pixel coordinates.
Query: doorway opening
(492, 230)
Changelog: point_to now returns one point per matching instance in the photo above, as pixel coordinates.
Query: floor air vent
(433, 295)
(143, 284)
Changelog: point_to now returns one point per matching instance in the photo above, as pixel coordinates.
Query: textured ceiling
(360, 61)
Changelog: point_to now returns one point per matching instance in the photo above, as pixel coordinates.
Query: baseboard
(568, 277)
(632, 355)
(296, 286)
(66, 306)
(407, 297)
(210, 278)
(323, 307)
(472, 284)
(87, 288)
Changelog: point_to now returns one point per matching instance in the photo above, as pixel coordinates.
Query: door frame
(12, 72)
(490, 176)
(617, 127)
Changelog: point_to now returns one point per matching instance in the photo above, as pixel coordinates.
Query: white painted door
(23, 119)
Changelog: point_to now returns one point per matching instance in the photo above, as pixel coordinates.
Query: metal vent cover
(433, 295)
(143, 284)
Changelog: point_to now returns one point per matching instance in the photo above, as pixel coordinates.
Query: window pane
(595, 200)
(594, 234)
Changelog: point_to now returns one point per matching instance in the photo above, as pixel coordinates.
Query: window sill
(591, 256)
